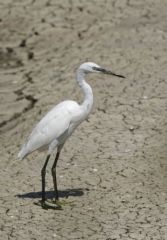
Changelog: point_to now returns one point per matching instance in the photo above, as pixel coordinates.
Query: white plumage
(62, 119)
(60, 122)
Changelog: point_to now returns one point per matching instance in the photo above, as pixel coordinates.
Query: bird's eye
(96, 69)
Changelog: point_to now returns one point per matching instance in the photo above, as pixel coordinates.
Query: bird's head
(90, 67)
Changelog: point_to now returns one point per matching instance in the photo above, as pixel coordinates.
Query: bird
(59, 123)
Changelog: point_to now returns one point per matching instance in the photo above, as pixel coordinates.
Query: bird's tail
(23, 152)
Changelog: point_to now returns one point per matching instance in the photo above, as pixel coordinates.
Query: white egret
(59, 123)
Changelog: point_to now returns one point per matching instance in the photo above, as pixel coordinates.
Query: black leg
(54, 175)
(43, 173)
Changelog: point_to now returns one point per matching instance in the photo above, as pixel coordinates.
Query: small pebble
(127, 150)
(95, 169)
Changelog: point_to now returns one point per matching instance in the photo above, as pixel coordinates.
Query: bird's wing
(54, 125)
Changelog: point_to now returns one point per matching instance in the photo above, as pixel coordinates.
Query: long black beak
(105, 71)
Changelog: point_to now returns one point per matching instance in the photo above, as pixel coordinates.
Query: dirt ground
(112, 172)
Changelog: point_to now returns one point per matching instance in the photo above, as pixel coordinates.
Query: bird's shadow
(76, 192)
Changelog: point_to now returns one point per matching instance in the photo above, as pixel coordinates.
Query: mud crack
(31, 103)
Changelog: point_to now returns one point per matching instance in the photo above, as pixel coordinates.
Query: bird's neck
(87, 91)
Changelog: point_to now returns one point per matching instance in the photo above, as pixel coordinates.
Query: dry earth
(112, 173)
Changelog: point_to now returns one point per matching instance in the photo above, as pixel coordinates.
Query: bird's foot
(59, 202)
(44, 205)
(48, 205)
(54, 204)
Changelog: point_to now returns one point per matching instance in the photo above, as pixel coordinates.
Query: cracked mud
(112, 173)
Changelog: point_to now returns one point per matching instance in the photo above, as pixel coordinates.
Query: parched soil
(112, 173)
